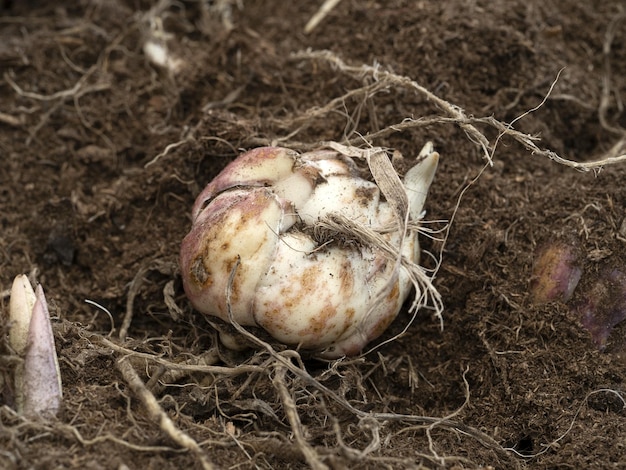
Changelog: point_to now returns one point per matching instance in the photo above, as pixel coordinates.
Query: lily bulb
(312, 239)
(38, 390)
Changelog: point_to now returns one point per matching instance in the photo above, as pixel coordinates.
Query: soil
(105, 144)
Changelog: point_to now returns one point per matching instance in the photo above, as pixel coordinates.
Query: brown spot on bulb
(395, 292)
(318, 325)
(200, 273)
(365, 194)
(346, 277)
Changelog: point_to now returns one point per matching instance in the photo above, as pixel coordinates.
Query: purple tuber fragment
(556, 272)
(604, 306)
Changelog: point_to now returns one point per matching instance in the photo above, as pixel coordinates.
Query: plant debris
(105, 145)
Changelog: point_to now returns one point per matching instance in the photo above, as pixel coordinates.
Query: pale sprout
(37, 380)
(322, 259)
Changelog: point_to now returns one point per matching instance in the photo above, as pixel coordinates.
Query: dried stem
(291, 411)
(158, 415)
(159, 265)
(453, 111)
(284, 359)
(605, 99)
(193, 367)
(454, 114)
(322, 13)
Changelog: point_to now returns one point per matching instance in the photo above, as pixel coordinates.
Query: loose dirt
(114, 115)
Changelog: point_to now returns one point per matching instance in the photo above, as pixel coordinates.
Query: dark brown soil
(102, 153)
